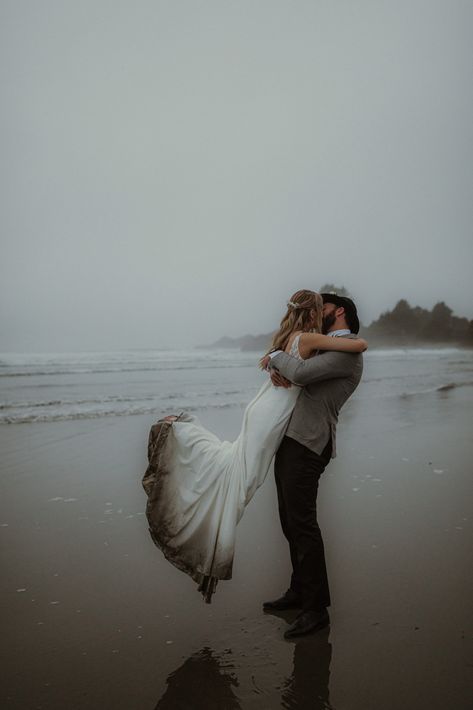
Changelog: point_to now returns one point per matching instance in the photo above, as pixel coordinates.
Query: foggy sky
(173, 170)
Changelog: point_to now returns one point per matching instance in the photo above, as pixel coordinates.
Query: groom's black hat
(351, 314)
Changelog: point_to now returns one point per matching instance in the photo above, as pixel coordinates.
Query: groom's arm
(315, 369)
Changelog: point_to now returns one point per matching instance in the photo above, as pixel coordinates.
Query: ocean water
(44, 387)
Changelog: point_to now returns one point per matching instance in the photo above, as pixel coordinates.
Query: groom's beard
(327, 322)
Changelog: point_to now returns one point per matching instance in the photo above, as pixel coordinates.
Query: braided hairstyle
(299, 316)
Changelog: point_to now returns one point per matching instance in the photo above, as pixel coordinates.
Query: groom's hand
(278, 380)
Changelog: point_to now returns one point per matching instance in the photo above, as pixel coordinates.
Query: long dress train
(198, 486)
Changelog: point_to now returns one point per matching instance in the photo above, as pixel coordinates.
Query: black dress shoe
(308, 622)
(289, 600)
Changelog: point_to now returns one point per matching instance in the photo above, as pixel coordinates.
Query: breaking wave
(440, 388)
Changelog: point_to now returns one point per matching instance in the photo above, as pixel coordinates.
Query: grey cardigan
(328, 380)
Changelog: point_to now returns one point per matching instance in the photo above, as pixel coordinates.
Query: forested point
(407, 324)
(403, 325)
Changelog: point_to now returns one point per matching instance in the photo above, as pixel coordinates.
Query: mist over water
(173, 172)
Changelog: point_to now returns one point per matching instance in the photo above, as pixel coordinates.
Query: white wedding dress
(198, 486)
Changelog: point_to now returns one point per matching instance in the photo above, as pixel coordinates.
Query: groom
(328, 380)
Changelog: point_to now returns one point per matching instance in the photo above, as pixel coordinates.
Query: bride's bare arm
(316, 341)
(314, 369)
(285, 368)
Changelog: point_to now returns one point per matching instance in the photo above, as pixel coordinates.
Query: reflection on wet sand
(203, 682)
(207, 679)
(308, 686)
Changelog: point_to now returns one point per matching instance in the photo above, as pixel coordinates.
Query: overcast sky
(173, 170)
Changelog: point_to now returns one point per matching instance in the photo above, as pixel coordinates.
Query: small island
(404, 325)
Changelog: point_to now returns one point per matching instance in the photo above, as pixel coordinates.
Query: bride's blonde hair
(299, 317)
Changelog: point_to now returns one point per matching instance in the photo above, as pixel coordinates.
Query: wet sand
(95, 617)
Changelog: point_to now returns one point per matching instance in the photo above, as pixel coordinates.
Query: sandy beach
(95, 617)
(186, 185)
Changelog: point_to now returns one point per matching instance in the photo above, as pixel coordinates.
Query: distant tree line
(403, 325)
(407, 324)
(410, 325)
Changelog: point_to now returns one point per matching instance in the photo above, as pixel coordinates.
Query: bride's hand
(264, 362)
(279, 381)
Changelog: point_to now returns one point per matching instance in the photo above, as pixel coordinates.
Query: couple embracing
(198, 486)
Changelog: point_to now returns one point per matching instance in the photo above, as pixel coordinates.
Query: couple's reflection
(308, 686)
(206, 680)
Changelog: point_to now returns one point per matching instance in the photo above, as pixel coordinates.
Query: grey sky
(173, 171)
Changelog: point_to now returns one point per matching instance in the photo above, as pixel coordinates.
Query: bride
(198, 486)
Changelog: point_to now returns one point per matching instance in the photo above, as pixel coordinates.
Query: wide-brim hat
(351, 314)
